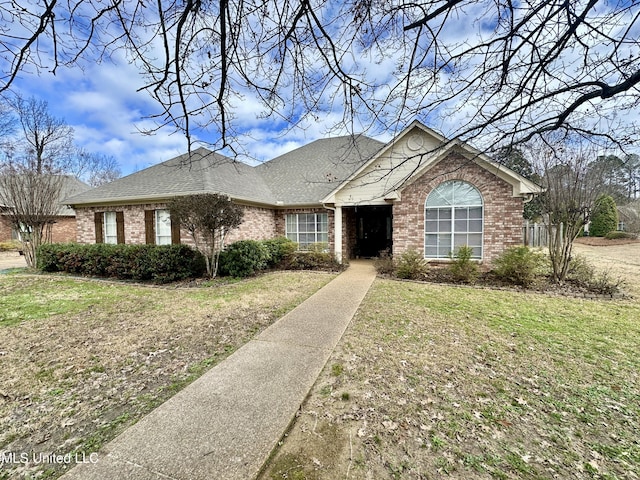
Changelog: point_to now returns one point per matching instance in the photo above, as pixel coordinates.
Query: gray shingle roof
(301, 177)
(70, 186)
(205, 171)
(309, 173)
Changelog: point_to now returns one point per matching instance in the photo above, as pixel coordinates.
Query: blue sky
(101, 102)
(107, 114)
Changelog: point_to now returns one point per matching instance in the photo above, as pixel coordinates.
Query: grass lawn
(81, 360)
(434, 382)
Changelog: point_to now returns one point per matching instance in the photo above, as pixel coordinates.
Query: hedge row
(157, 263)
(248, 257)
(168, 263)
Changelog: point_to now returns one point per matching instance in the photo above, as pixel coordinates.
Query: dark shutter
(120, 227)
(149, 227)
(98, 218)
(175, 232)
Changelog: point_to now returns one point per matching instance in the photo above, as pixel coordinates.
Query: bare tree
(46, 142)
(563, 166)
(508, 71)
(7, 123)
(32, 203)
(208, 218)
(35, 161)
(94, 169)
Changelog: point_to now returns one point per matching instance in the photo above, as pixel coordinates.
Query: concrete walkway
(11, 260)
(226, 423)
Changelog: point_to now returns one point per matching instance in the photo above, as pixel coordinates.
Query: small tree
(604, 218)
(563, 164)
(32, 203)
(208, 218)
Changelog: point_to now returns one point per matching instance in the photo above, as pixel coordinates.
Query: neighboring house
(629, 217)
(63, 229)
(356, 195)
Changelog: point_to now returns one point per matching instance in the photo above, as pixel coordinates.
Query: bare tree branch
(505, 71)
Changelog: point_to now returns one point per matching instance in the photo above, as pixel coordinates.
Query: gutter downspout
(337, 230)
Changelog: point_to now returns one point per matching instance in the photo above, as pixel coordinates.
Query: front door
(373, 230)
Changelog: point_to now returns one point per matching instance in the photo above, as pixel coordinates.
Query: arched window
(453, 218)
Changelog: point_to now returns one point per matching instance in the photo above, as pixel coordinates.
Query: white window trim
(452, 231)
(110, 239)
(295, 236)
(161, 239)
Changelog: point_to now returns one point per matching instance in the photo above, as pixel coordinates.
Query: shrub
(580, 271)
(158, 263)
(244, 258)
(604, 217)
(604, 284)
(412, 266)
(519, 265)
(317, 247)
(169, 263)
(385, 264)
(583, 274)
(615, 235)
(11, 246)
(462, 268)
(313, 261)
(279, 249)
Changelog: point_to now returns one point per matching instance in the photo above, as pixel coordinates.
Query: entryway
(374, 230)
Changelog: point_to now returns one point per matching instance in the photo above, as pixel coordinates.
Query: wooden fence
(535, 234)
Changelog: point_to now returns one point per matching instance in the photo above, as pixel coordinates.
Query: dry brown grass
(73, 380)
(433, 382)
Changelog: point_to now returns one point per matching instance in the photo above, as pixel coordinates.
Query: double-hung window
(308, 229)
(159, 228)
(110, 228)
(163, 227)
(453, 218)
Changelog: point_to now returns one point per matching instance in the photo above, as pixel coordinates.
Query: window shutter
(149, 227)
(120, 227)
(175, 232)
(98, 218)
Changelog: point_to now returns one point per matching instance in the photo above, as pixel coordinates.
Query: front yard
(82, 359)
(429, 381)
(434, 382)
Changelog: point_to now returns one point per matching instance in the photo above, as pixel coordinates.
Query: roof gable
(346, 170)
(404, 159)
(307, 174)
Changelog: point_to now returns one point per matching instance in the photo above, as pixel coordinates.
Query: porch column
(337, 233)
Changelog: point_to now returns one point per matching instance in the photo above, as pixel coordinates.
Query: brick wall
(502, 211)
(349, 232)
(62, 231)
(5, 230)
(258, 223)
(280, 221)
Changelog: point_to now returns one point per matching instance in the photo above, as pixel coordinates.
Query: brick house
(356, 195)
(63, 228)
